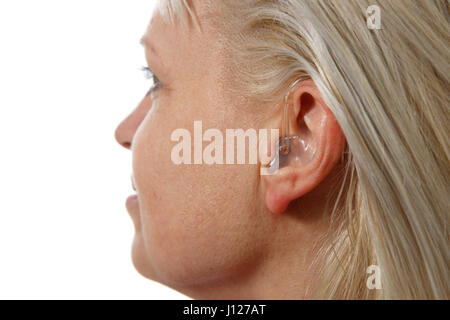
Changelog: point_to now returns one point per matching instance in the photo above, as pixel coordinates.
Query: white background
(69, 73)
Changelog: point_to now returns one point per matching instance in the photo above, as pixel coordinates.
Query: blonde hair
(388, 89)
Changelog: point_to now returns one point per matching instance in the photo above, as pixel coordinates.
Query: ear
(311, 120)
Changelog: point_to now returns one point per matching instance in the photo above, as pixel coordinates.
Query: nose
(127, 128)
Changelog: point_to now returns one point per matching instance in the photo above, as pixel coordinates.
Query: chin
(140, 259)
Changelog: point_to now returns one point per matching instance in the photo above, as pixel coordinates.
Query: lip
(132, 205)
(132, 183)
(132, 198)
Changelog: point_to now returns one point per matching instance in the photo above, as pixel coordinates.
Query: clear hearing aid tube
(290, 149)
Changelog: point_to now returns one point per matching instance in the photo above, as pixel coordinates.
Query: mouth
(131, 199)
(132, 183)
(132, 203)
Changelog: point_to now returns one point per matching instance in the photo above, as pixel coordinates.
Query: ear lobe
(316, 125)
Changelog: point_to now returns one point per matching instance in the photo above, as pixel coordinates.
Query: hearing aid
(290, 150)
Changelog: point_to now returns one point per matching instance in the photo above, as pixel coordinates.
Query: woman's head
(373, 108)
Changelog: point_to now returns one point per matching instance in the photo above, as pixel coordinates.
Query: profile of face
(221, 231)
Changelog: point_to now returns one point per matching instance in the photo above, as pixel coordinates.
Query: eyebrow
(146, 44)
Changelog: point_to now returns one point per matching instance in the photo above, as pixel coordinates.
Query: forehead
(199, 14)
(180, 43)
(190, 9)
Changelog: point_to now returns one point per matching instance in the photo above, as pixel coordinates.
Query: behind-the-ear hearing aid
(290, 150)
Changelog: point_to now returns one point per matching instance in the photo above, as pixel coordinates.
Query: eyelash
(149, 74)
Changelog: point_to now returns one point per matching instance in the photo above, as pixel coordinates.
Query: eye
(148, 74)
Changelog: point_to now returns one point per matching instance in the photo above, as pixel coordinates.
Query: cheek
(200, 228)
(198, 222)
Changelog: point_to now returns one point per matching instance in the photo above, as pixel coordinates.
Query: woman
(361, 213)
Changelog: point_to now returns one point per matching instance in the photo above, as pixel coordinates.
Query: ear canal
(292, 151)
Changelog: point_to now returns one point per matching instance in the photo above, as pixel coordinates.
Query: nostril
(126, 145)
(121, 136)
